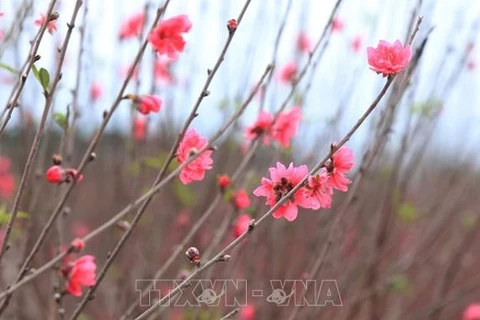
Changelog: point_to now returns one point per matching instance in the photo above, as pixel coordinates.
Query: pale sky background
(340, 69)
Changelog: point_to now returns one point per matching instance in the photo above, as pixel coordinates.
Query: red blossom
(7, 180)
(195, 171)
(261, 126)
(147, 103)
(96, 91)
(340, 164)
(139, 128)
(282, 181)
(303, 43)
(241, 225)
(389, 58)
(167, 37)
(241, 199)
(337, 25)
(288, 73)
(82, 274)
(132, 26)
(51, 26)
(357, 43)
(286, 126)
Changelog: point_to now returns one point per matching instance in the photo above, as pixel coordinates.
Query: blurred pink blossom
(166, 38)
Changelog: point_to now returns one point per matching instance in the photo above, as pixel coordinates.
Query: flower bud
(193, 256)
(232, 25)
(78, 245)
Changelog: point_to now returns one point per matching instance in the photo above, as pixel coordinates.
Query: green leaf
(407, 212)
(60, 119)
(153, 162)
(400, 283)
(5, 216)
(134, 168)
(23, 215)
(8, 68)
(35, 72)
(469, 220)
(44, 78)
(184, 194)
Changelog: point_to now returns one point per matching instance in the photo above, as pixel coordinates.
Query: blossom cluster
(315, 194)
(282, 130)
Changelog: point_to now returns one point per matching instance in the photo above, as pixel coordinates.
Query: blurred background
(405, 238)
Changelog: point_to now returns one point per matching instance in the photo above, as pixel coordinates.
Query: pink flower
(261, 125)
(192, 143)
(166, 37)
(183, 219)
(241, 225)
(82, 274)
(139, 128)
(80, 229)
(148, 103)
(472, 312)
(319, 191)
(389, 58)
(132, 26)
(247, 313)
(286, 126)
(241, 199)
(7, 180)
(288, 72)
(282, 181)
(162, 71)
(96, 91)
(337, 25)
(340, 164)
(51, 26)
(303, 43)
(357, 43)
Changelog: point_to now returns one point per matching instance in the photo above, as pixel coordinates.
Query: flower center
(281, 188)
(258, 130)
(192, 152)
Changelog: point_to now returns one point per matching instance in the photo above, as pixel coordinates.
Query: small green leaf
(60, 119)
(407, 212)
(469, 220)
(35, 72)
(400, 283)
(134, 168)
(23, 215)
(44, 78)
(5, 216)
(184, 194)
(153, 162)
(8, 68)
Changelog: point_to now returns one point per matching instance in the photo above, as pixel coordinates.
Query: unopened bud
(53, 16)
(123, 225)
(57, 159)
(193, 256)
(232, 25)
